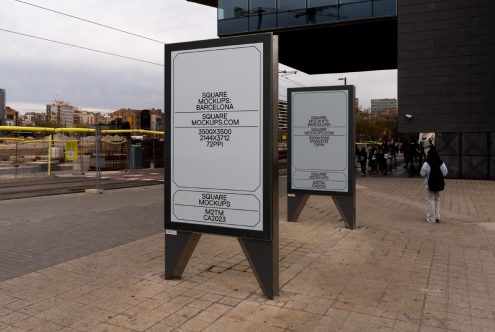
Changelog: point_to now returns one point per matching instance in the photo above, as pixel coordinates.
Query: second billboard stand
(321, 149)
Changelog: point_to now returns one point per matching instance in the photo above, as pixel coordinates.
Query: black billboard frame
(260, 247)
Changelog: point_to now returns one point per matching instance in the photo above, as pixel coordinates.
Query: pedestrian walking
(433, 170)
(363, 155)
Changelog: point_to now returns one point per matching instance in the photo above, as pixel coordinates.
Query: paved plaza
(394, 273)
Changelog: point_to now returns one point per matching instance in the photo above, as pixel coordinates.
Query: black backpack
(436, 181)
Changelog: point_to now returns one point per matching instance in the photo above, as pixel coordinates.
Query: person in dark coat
(362, 156)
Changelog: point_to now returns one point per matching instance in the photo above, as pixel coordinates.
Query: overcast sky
(34, 72)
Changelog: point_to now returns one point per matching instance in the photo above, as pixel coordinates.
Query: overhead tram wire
(292, 81)
(88, 21)
(82, 47)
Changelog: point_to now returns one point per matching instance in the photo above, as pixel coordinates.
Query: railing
(236, 19)
(58, 151)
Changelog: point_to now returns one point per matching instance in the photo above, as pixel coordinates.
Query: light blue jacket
(425, 171)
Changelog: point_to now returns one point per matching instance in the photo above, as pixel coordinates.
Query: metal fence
(77, 154)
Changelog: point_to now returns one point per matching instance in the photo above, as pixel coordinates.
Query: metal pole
(153, 140)
(98, 174)
(16, 162)
(50, 154)
(81, 141)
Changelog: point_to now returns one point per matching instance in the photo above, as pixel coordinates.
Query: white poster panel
(320, 140)
(216, 136)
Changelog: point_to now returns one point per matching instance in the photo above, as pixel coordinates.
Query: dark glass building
(444, 52)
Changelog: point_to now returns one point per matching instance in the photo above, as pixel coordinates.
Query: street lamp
(343, 79)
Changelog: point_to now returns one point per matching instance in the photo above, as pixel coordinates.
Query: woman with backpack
(434, 170)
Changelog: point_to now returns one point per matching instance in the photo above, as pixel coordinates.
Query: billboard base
(345, 204)
(261, 255)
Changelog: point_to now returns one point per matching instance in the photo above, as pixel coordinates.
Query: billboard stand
(221, 174)
(178, 250)
(295, 205)
(321, 149)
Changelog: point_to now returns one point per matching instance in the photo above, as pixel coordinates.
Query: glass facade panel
(232, 9)
(251, 15)
(233, 25)
(322, 11)
(352, 10)
(384, 8)
(285, 5)
(292, 12)
(262, 15)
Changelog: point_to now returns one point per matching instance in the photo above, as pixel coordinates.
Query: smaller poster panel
(321, 136)
(71, 151)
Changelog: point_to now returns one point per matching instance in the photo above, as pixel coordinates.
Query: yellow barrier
(51, 131)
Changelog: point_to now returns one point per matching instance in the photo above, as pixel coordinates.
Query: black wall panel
(448, 145)
(446, 62)
(474, 167)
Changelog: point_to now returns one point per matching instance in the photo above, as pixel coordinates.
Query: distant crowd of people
(381, 158)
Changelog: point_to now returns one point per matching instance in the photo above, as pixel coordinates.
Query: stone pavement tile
(199, 304)
(194, 293)
(212, 297)
(18, 304)
(149, 304)
(160, 327)
(482, 322)
(140, 319)
(104, 327)
(232, 324)
(91, 318)
(6, 299)
(481, 313)
(460, 327)
(434, 322)
(13, 318)
(181, 300)
(68, 329)
(243, 310)
(361, 322)
(318, 306)
(37, 324)
(113, 304)
(12, 329)
(174, 320)
(171, 292)
(401, 326)
(188, 312)
(194, 324)
(5, 311)
(427, 328)
(65, 314)
(434, 310)
(209, 316)
(219, 308)
(227, 300)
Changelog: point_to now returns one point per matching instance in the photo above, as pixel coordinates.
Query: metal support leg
(347, 208)
(178, 250)
(263, 259)
(295, 205)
